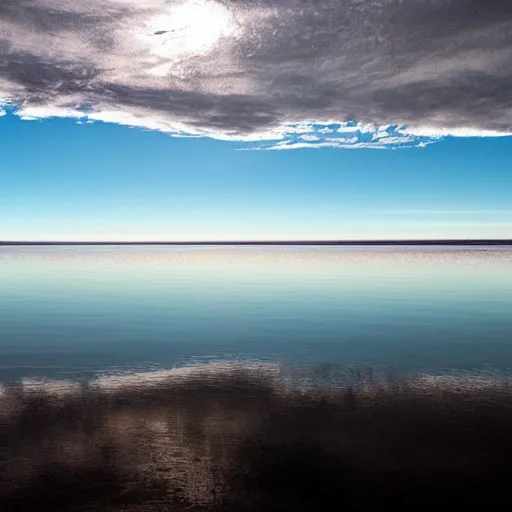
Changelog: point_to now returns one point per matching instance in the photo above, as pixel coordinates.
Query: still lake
(76, 312)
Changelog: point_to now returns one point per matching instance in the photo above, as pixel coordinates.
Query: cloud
(405, 72)
(347, 135)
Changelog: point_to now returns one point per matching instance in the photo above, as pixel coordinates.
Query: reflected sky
(78, 311)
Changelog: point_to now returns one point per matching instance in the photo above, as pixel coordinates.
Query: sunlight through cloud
(194, 26)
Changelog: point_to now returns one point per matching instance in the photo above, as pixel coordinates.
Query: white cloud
(45, 112)
(348, 136)
(436, 131)
(302, 145)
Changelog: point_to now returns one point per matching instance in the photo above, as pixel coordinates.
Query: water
(187, 405)
(82, 311)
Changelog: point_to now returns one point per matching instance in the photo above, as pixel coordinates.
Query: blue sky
(68, 181)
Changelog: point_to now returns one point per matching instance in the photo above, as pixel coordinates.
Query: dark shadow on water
(249, 440)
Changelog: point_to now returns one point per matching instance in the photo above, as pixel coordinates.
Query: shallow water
(75, 312)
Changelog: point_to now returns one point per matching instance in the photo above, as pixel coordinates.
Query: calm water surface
(80, 311)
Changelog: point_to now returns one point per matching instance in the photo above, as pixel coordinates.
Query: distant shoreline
(479, 242)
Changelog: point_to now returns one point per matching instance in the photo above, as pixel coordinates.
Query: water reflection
(249, 436)
(73, 311)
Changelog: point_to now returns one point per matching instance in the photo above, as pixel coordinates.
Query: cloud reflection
(228, 437)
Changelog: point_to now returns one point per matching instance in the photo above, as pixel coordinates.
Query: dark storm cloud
(234, 113)
(251, 70)
(42, 79)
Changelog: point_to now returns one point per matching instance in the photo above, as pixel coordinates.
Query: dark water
(79, 311)
(255, 379)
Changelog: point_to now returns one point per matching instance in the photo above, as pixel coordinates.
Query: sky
(263, 120)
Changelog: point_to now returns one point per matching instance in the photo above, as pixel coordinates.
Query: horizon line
(265, 242)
